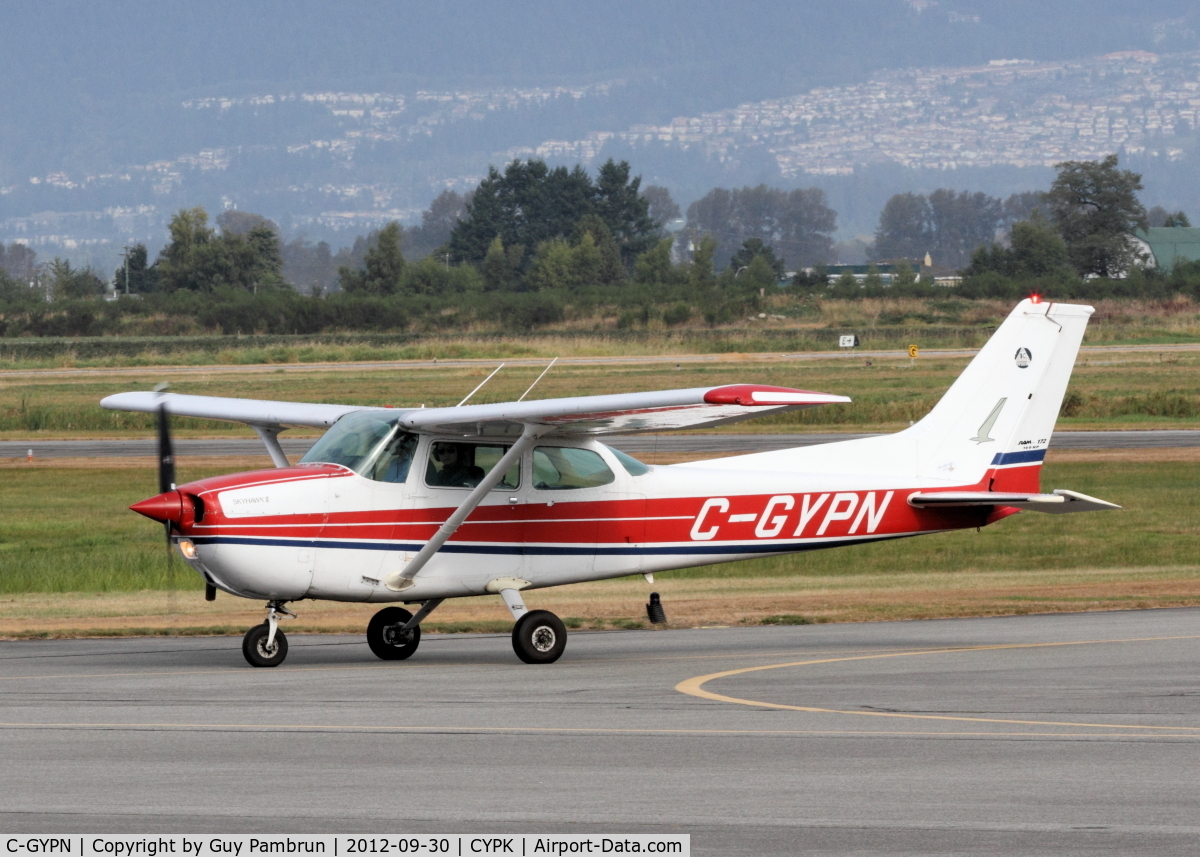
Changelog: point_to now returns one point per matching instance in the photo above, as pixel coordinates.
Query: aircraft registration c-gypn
(420, 505)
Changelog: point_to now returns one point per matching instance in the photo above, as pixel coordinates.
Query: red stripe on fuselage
(715, 519)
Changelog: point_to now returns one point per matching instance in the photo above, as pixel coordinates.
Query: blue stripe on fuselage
(1025, 456)
(556, 550)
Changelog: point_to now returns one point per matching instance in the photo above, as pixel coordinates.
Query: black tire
(254, 647)
(539, 637)
(389, 644)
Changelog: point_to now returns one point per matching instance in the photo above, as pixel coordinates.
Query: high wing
(255, 412)
(621, 413)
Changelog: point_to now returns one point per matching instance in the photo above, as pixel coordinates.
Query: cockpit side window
(395, 459)
(463, 465)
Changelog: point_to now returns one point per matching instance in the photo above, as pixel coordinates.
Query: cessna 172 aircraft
(421, 505)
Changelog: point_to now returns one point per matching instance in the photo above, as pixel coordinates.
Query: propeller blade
(170, 571)
(166, 454)
(166, 482)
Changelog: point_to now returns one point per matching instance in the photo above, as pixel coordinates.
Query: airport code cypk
(339, 845)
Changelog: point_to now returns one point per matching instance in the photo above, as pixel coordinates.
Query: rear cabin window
(463, 465)
(631, 464)
(561, 468)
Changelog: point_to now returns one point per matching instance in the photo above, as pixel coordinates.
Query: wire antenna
(539, 377)
(480, 387)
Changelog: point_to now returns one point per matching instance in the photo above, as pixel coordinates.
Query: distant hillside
(332, 117)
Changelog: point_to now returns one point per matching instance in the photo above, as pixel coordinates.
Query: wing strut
(270, 438)
(403, 579)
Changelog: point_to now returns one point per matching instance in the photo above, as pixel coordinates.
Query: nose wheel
(265, 645)
(262, 652)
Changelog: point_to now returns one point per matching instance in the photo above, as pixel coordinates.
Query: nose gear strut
(265, 645)
(274, 608)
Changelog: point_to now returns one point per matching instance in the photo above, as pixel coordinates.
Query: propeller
(166, 455)
(166, 482)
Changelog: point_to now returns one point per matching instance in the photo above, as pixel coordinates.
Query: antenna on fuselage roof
(539, 377)
(480, 387)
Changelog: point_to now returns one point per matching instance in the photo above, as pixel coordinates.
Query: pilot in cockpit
(457, 469)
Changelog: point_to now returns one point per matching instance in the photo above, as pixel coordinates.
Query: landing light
(188, 548)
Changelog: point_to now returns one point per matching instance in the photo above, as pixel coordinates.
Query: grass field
(74, 561)
(789, 322)
(1119, 389)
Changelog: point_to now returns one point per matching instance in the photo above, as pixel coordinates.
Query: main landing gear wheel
(256, 650)
(386, 639)
(539, 637)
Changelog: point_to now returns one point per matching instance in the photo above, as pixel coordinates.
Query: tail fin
(996, 420)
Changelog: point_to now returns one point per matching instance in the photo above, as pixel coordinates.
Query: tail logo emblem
(1023, 358)
(985, 429)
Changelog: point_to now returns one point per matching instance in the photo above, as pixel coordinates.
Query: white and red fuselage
(324, 531)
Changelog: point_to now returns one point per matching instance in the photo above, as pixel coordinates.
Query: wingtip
(762, 395)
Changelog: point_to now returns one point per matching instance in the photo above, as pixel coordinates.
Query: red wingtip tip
(1037, 299)
(163, 508)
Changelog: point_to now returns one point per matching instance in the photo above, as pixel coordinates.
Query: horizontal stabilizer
(1058, 503)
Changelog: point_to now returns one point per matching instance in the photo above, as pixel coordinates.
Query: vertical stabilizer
(994, 423)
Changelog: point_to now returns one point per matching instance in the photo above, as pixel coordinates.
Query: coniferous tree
(530, 204)
(142, 277)
(497, 276)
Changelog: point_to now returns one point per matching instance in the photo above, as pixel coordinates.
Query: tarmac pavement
(1064, 734)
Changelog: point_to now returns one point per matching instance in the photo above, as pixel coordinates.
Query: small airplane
(419, 505)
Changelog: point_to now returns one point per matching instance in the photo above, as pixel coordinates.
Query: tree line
(531, 241)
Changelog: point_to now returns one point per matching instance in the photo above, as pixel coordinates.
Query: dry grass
(689, 602)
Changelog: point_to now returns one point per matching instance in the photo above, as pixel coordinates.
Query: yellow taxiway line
(695, 687)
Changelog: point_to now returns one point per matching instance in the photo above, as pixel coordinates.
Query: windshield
(358, 439)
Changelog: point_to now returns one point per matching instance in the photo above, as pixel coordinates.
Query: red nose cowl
(164, 507)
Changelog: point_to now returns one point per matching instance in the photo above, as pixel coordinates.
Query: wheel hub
(543, 638)
(393, 636)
